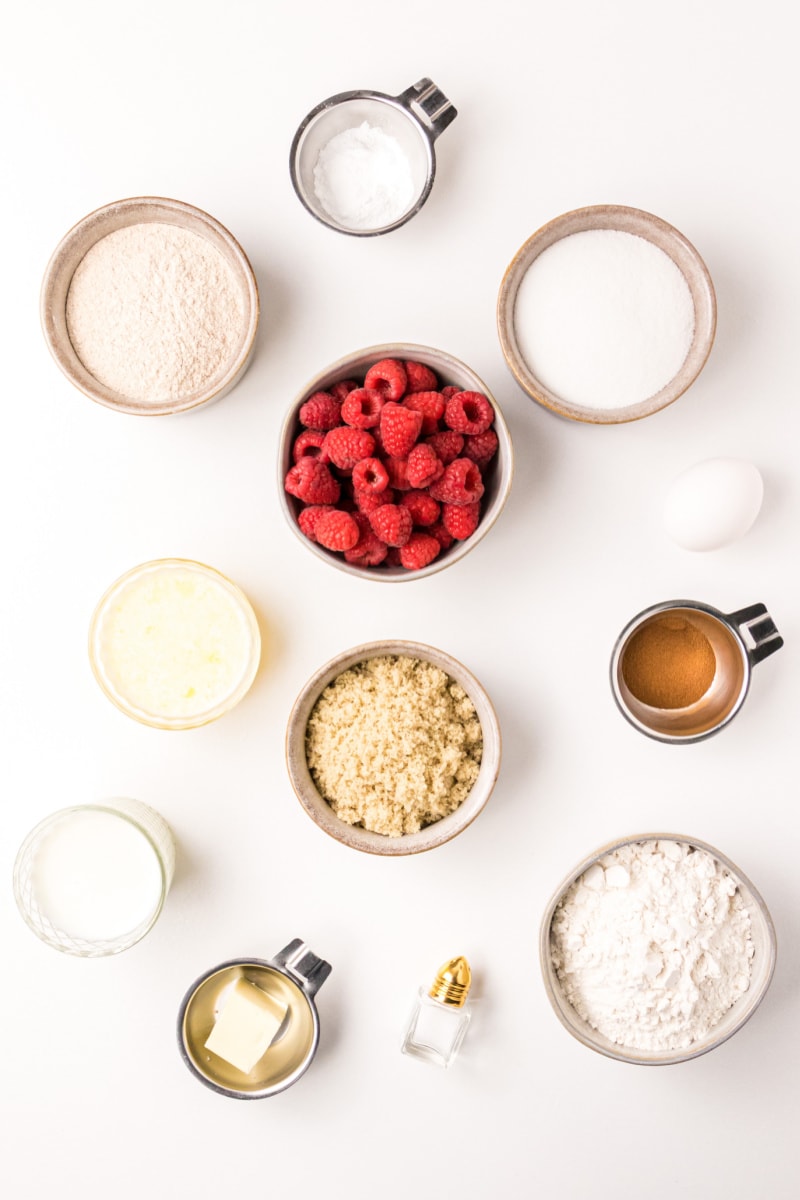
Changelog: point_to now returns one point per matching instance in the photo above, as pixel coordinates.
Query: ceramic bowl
(762, 932)
(435, 834)
(497, 476)
(76, 244)
(625, 220)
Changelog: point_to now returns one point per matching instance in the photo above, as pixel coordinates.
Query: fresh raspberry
(420, 378)
(346, 446)
(468, 412)
(450, 390)
(400, 427)
(481, 447)
(389, 377)
(309, 445)
(320, 411)
(370, 475)
(431, 405)
(336, 530)
(309, 517)
(447, 444)
(369, 550)
(419, 550)
(460, 484)
(312, 482)
(423, 508)
(367, 502)
(442, 535)
(424, 466)
(461, 520)
(392, 524)
(362, 407)
(342, 389)
(397, 469)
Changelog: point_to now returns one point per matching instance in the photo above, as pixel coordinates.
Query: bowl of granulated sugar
(150, 306)
(606, 314)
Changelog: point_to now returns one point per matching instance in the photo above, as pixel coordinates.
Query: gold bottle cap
(452, 982)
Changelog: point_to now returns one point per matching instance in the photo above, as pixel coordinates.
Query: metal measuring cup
(415, 119)
(293, 976)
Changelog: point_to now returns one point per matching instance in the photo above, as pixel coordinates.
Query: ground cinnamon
(668, 663)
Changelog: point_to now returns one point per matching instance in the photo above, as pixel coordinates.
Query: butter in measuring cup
(174, 644)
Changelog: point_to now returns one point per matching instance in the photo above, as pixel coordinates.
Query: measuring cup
(293, 977)
(414, 119)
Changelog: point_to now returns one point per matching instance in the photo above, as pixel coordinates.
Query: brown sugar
(668, 663)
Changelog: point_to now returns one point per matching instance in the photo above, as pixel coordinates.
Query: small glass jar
(174, 644)
(441, 1015)
(92, 880)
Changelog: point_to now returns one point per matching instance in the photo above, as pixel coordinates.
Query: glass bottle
(441, 1015)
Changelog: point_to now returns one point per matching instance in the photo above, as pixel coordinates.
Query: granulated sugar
(652, 945)
(154, 312)
(604, 319)
(362, 178)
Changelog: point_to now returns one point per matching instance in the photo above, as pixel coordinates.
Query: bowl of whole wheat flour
(150, 306)
(656, 949)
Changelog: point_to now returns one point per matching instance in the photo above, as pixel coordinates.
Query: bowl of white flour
(656, 949)
(606, 314)
(150, 306)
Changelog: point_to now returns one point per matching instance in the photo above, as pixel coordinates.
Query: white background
(687, 110)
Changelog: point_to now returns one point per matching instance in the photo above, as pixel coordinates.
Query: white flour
(652, 945)
(362, 178)
(604, 319)
(154, 312)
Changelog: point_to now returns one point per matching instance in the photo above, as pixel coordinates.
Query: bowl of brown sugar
(150, 306)
(393, 747)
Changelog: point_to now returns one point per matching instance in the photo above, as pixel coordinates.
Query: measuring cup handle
(303, 966)
(761, 630)
(429, 105)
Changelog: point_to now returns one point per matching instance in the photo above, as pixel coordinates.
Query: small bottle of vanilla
(441, 1015)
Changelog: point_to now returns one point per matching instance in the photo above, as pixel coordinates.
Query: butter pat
(246, 1027)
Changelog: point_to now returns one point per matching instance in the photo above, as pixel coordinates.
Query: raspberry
(320, 411)
(369, 550)
(392, 524)
(449, 391)
(481, 447)
(309, 445)
(310, 516)
(311, 481)
(362, 407)
(400, 427)
(460, 484)
(468, 412)
(447, 444)
(342, 389)
(420, 378)
(367, 502)
(461, 520)
(431, 405)
(424, 466)
(389, 377)
(346, 446)
(397, 469)
(336, 530)
(442, 535)
(419, 550)
(393, 556)
(370, 475)
(423, 508)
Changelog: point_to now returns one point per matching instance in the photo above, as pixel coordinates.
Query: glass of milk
(92, 880)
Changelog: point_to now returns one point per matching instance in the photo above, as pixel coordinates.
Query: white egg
(713, 503)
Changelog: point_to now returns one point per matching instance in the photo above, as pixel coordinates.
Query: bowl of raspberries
(394, 462)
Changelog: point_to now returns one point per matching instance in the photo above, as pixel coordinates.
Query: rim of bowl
(582, 1031)
(502, 469)
(223, 706)
(625, 220)
(354, 836)
(77, 242)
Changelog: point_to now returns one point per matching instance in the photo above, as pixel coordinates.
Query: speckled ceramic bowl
(87, 233)
(497, 476)
(625, 220)
(762, 932)
(353, 835)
